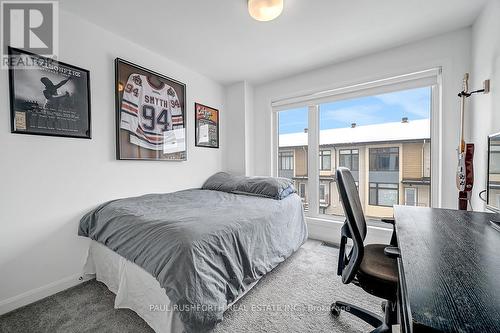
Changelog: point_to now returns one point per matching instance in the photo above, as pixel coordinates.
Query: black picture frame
(202, 117)
(71, 120)
(124, 149)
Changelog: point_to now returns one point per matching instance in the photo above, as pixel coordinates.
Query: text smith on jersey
(148, 111)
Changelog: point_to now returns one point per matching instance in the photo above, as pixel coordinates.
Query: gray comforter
(204, 247)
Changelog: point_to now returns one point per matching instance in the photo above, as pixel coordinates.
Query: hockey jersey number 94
(148, 111)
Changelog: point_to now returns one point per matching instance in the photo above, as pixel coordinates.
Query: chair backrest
(354, 226)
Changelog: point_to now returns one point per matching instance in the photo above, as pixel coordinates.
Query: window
(410, 196)
(302, 190)
(292, 151)
(324, 193)
(382, 138)
(349, 158)
(285, 160)
(325, 160)
(384, 159)
(494, 158)
(383, 194)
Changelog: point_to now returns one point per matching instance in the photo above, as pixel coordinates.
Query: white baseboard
(329, 231)
(36, 294)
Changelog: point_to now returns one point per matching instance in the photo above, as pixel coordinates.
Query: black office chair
(372, 267)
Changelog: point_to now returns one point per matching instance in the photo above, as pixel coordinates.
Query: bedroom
(265, 83)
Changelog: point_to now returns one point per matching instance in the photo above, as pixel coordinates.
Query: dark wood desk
(449, 270)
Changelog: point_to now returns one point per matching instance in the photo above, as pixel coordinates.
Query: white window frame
(427, 78)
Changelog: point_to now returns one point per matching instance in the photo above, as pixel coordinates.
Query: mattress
(203, 247)
(135, 289)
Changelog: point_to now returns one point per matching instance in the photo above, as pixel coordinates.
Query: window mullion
(313, 160)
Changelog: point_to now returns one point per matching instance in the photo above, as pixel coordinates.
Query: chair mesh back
(350, 201)
(355, 220)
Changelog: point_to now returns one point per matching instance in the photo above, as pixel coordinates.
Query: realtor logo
(31, 26)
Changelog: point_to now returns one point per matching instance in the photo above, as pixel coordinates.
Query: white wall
(450, 51)
(47, 183)
(249, 123)
(236, 129)
(239, 129)
(484, 114)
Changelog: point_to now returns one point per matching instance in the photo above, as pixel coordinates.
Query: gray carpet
(294, 297)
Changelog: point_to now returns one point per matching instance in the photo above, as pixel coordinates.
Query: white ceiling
(219, 39)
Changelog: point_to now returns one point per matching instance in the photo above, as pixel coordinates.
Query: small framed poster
(207, 126)
(48, 97)
(150, 115)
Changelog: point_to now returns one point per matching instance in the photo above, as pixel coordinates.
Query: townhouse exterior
(390, 163)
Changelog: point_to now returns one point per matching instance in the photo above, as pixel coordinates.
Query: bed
(180, 259)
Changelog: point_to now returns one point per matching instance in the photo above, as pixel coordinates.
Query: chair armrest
(389, 220)
(392, 252)
(344, 234)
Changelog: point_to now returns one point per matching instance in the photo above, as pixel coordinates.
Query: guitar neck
(463, 98)
(462, 125)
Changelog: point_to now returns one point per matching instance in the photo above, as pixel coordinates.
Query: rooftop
(396, 131)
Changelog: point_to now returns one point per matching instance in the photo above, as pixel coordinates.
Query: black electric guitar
(465, 169)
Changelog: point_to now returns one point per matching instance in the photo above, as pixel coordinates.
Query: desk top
(451, 262)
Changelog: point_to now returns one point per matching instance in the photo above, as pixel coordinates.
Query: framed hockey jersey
(150, 114)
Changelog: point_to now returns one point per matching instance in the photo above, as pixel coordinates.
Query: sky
(414, 104)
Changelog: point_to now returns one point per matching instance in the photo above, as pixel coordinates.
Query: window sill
(340, 221)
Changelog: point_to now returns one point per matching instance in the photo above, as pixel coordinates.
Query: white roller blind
(403, 82)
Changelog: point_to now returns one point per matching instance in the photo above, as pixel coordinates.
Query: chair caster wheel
(334, 310)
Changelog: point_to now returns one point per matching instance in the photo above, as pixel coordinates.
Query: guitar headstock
(466, 82)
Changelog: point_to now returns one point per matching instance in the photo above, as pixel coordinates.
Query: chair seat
(378, 274)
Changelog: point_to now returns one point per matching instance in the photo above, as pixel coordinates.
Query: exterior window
(285, 160)
(386, 154)
(410, 196)
(495, 160)
(384, 159)
(325, 160)
(302, 190)
(383, 194)
(323, 193)
(349, 158)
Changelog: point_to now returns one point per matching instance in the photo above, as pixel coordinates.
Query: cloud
(412, 102)
(360, 114)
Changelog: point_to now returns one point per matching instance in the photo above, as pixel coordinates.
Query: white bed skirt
(135, 288)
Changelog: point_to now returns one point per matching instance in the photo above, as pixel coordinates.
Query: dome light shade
(265, 10)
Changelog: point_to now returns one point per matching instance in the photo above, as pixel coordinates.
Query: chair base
(382, 325)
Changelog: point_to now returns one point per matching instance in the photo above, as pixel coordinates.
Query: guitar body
(465, 176)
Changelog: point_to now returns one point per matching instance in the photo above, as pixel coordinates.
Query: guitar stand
(485, 90)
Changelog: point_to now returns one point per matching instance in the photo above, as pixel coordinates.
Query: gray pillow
(267, 187)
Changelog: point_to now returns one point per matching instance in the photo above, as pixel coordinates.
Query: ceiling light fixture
(265, 10)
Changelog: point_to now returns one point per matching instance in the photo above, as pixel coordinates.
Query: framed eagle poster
(48, 97)
(207, 126)
(150, 115)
